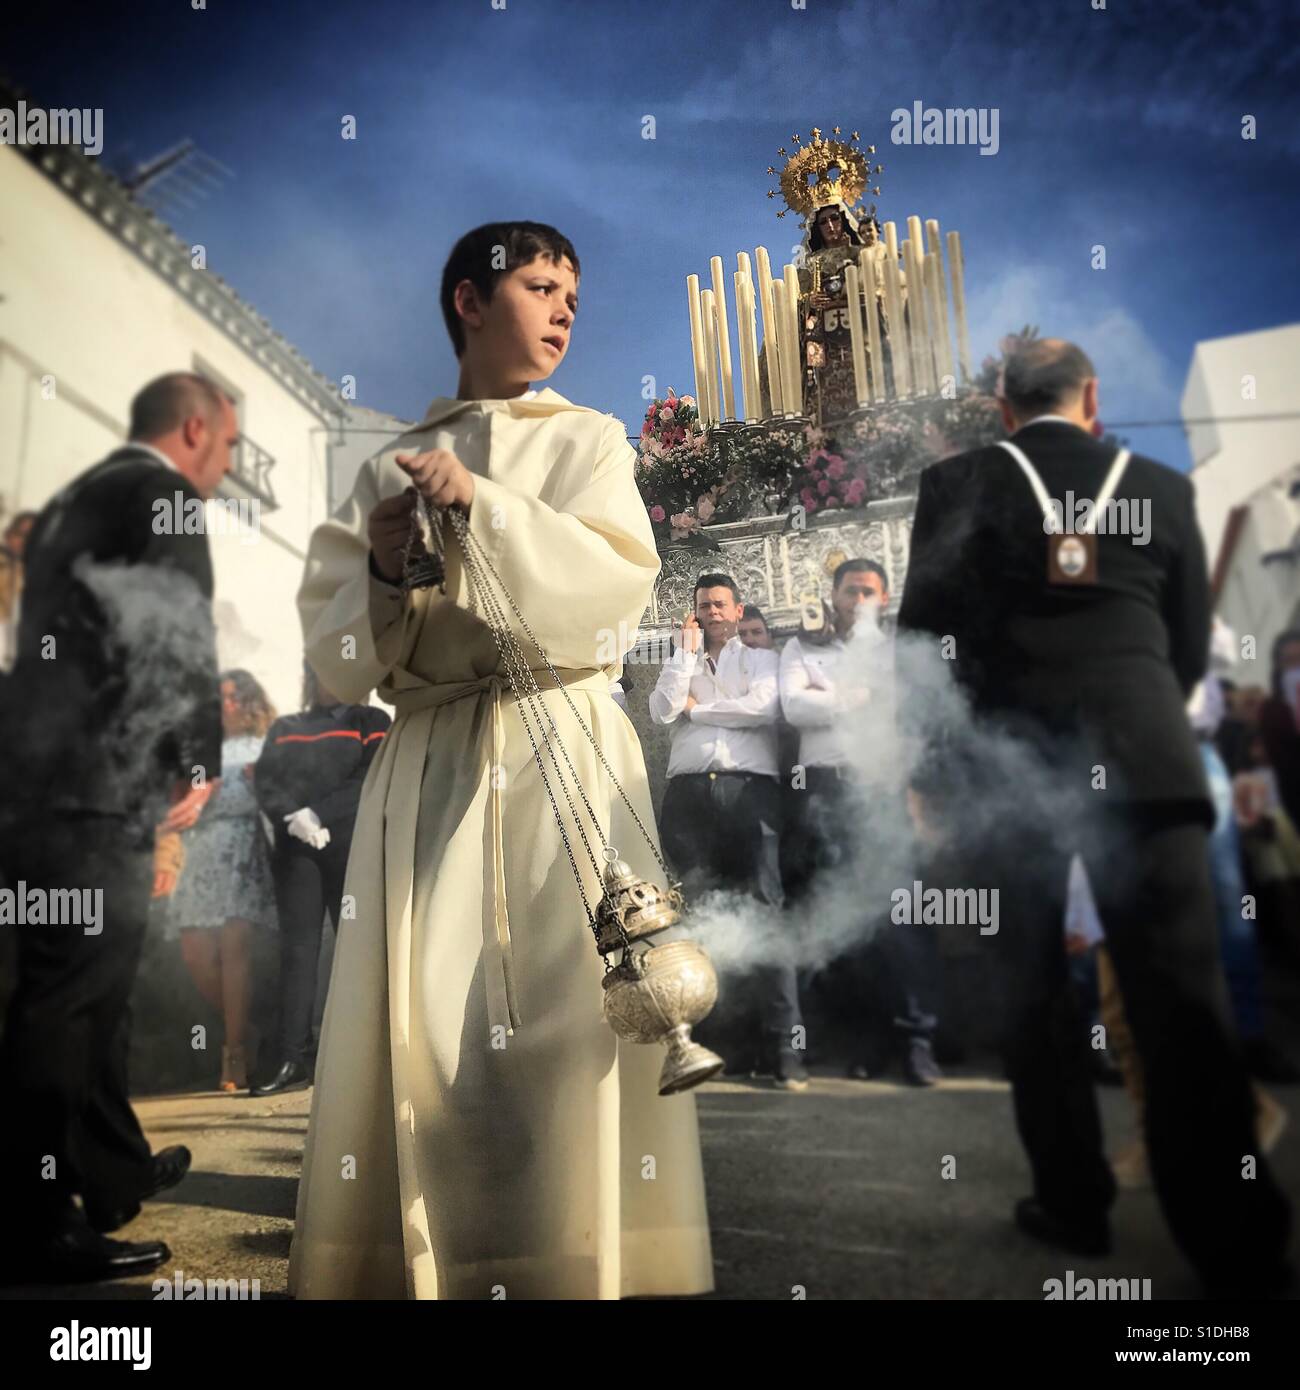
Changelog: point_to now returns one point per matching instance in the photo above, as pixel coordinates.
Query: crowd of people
(766, 797)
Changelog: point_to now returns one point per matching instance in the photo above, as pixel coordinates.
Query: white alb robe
(449, 1155)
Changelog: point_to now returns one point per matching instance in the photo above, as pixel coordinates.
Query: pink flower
(832, 502)
(836, 468)
(657, 513)
(705, 508)
(686, 400)
(666, 415)
(823, 487)
(807, 498)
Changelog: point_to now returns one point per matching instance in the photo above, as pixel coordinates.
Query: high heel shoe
(234, 1069)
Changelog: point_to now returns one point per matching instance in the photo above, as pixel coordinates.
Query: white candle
(728, 398)
(697, 345)
(872, 311)
(921, 311)
(957, 269)
(746, 342)
(935, 248)
(770, 332)
(794, 358)
(752, 410)
(710, 316)
(930, 269)
(916, 322)
(859, 356)
(751, 345)
(898, 348)
(781, 320)
(891, 241)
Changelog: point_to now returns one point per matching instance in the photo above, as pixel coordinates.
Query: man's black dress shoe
(82, 1256)
(1092, 1238)
(292, 1076)
(169, 1167)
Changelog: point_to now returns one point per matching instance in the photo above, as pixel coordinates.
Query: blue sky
(1119, 126)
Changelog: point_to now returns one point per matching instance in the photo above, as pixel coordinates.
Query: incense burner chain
(658, 989)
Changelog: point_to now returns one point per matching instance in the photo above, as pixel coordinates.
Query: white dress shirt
(818, 700)
(732, 727)
(149, 449)
(1048, 419)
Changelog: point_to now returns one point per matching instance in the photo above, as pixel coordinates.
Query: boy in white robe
(477, 1129)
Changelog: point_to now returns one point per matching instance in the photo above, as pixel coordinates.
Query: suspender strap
(1045, 502)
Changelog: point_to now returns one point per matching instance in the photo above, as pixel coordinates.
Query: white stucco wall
(84, 323)
(1260, 600)
(1243, 451)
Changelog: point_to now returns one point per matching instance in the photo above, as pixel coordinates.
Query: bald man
(1065, 583)
(112, 706)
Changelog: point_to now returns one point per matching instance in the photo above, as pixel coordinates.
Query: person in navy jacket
(308, 781)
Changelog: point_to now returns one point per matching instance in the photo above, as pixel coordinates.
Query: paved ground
(837, 1189)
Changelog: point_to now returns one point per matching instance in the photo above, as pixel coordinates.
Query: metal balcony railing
(250, 472)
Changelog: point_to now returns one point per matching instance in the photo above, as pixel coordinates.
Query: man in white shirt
(721, 818)
(840, 701)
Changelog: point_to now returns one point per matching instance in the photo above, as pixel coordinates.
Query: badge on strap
(1072, 559)
(1071, 555)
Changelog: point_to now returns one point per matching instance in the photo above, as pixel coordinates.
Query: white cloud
(1137, 379)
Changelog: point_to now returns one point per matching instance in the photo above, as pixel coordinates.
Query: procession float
(804, 449)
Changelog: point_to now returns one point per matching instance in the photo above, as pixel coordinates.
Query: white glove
(303, 825)
(320, 839)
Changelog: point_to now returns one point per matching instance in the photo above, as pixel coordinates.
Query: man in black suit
(111, 711)
(1076, 653)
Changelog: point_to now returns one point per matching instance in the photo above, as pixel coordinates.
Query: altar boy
(491, 1127)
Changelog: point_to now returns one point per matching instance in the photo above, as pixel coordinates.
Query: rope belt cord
(1050, 520)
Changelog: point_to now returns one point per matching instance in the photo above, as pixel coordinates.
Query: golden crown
(842, 174)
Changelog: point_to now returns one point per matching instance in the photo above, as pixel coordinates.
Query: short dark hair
(751, 611)
(860, 567)
(473, 255)
(167, 401)
(716, 581)
(254, 704)
(1043, 373)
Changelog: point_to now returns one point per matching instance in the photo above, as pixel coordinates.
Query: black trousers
(308, 883)
(723, 831)
(890, 981)
(63, 1061)
(1149, 870)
